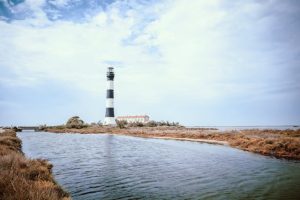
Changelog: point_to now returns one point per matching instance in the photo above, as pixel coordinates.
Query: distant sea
(230, 128)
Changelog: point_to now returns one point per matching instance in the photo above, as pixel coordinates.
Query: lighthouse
(110, 114)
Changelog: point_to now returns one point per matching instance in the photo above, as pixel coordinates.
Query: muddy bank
(276, 143)
(23, 178)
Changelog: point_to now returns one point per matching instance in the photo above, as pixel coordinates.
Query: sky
(205, 62)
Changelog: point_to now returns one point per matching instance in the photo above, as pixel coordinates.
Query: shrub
(75, 122)
(121, 123)
(136, 124)
(162, 123)
(152, 124)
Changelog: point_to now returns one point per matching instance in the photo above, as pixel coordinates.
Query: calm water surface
(103, 166)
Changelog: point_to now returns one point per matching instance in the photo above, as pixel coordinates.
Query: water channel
(104, 166)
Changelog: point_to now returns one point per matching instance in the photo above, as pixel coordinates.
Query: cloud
(193, 54)
(66, 50)
(208, 46)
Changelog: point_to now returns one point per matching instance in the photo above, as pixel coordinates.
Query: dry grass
(22, 178)
(277, 143)
(280, 147)
(9, 143)
(275, 133)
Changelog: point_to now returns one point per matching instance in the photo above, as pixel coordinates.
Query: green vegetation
(125, 124)
(162, 123)
(22, 178)
(121, 123)
(75, 122)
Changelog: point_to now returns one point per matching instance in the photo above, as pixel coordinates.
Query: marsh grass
(22, 178)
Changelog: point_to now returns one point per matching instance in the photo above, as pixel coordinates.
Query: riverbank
(275, 143)
(23, 178)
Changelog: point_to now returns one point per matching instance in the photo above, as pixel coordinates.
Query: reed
(22, 178)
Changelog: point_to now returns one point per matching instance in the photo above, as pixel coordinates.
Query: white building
(134, 119)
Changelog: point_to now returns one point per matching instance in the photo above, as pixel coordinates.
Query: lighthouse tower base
(109, 121)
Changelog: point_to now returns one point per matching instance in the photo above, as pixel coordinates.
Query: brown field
(276, 143)
(22, 178)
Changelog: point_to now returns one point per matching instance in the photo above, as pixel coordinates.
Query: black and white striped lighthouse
(110, 114)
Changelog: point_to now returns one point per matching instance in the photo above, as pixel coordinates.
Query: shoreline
(216, 142)
(25, 178)
(275, 143)
(195, 140)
